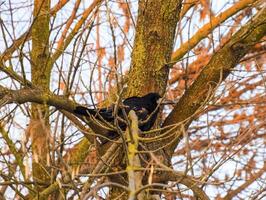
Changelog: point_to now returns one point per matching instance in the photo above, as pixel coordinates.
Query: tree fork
(215, 71)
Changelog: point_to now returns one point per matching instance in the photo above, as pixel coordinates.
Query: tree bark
(38, 129)
(155, 31)
(153, 45)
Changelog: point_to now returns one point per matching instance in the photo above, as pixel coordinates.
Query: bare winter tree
(206, 57)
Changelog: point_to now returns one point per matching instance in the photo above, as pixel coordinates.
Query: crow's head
(153, 99)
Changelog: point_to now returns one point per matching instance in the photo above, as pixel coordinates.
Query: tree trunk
(153, 46)
(155, 31)
(38, 129)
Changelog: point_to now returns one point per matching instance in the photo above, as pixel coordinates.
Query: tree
(211, 144)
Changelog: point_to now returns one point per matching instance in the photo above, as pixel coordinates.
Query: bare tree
(207, 57)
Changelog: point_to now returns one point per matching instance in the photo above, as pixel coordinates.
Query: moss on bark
(153, 45)
(40, 75)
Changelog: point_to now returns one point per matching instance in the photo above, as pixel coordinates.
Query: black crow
(145, 107)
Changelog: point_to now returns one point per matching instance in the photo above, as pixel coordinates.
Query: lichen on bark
(153, 45)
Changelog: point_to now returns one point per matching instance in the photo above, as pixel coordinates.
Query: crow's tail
(80, 110)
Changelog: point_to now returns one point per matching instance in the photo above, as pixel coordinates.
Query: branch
(207, 28)
(45, 193)
(230, 195)
(103, 165)
(178, 177)
(12, 74)
(134, 178)
(186, 7)
(63, 45)
(13, 150)
(6, 55)
(216, 71)
(25, 95)
(191, 184)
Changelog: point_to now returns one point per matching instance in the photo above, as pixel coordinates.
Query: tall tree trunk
(153, 46)
(154, 40)
(39, 123)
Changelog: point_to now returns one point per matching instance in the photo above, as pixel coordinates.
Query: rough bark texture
(36, 96)
(216, 71)
(153, 46)
(40, 76)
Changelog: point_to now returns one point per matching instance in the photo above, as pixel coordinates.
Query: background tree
(206, 56)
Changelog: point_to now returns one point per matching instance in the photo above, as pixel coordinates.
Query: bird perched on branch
(145, 107)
